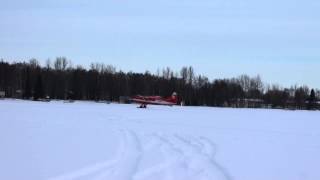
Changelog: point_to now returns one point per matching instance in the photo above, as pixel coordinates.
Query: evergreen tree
(312, 100)
(27, 86)
(38, 89)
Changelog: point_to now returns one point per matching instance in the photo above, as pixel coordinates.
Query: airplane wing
(155, 102)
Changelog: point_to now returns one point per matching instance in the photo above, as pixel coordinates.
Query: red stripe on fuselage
(155, 102)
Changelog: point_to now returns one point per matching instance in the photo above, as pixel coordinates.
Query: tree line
(60, 79)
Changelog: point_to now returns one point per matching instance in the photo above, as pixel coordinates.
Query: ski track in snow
(185, 158)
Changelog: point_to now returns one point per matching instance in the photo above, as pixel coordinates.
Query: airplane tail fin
(173, 98)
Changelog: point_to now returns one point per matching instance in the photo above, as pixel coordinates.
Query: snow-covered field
(87, 140)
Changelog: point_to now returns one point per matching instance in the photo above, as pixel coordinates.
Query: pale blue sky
(280, 40)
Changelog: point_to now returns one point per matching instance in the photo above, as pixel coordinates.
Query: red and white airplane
(155, 100)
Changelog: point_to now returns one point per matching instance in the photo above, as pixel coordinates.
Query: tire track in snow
(127, 163)
(201, 157)
(185, 158)
(173, 162)
(121, 168)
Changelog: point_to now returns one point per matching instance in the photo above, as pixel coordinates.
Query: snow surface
(87, 140)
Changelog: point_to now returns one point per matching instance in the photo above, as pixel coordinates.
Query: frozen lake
(87, 140)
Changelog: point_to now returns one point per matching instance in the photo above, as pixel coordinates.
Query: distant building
(2, 94)
(18, 94)
(124, 100)
(318, 105)
(248, 103)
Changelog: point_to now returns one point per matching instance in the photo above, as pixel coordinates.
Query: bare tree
(184, 74)
(191, 75)
(34, 63)
(48, 64)
(244, 81)
(167, 73)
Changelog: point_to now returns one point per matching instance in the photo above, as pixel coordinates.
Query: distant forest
(59, 79)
